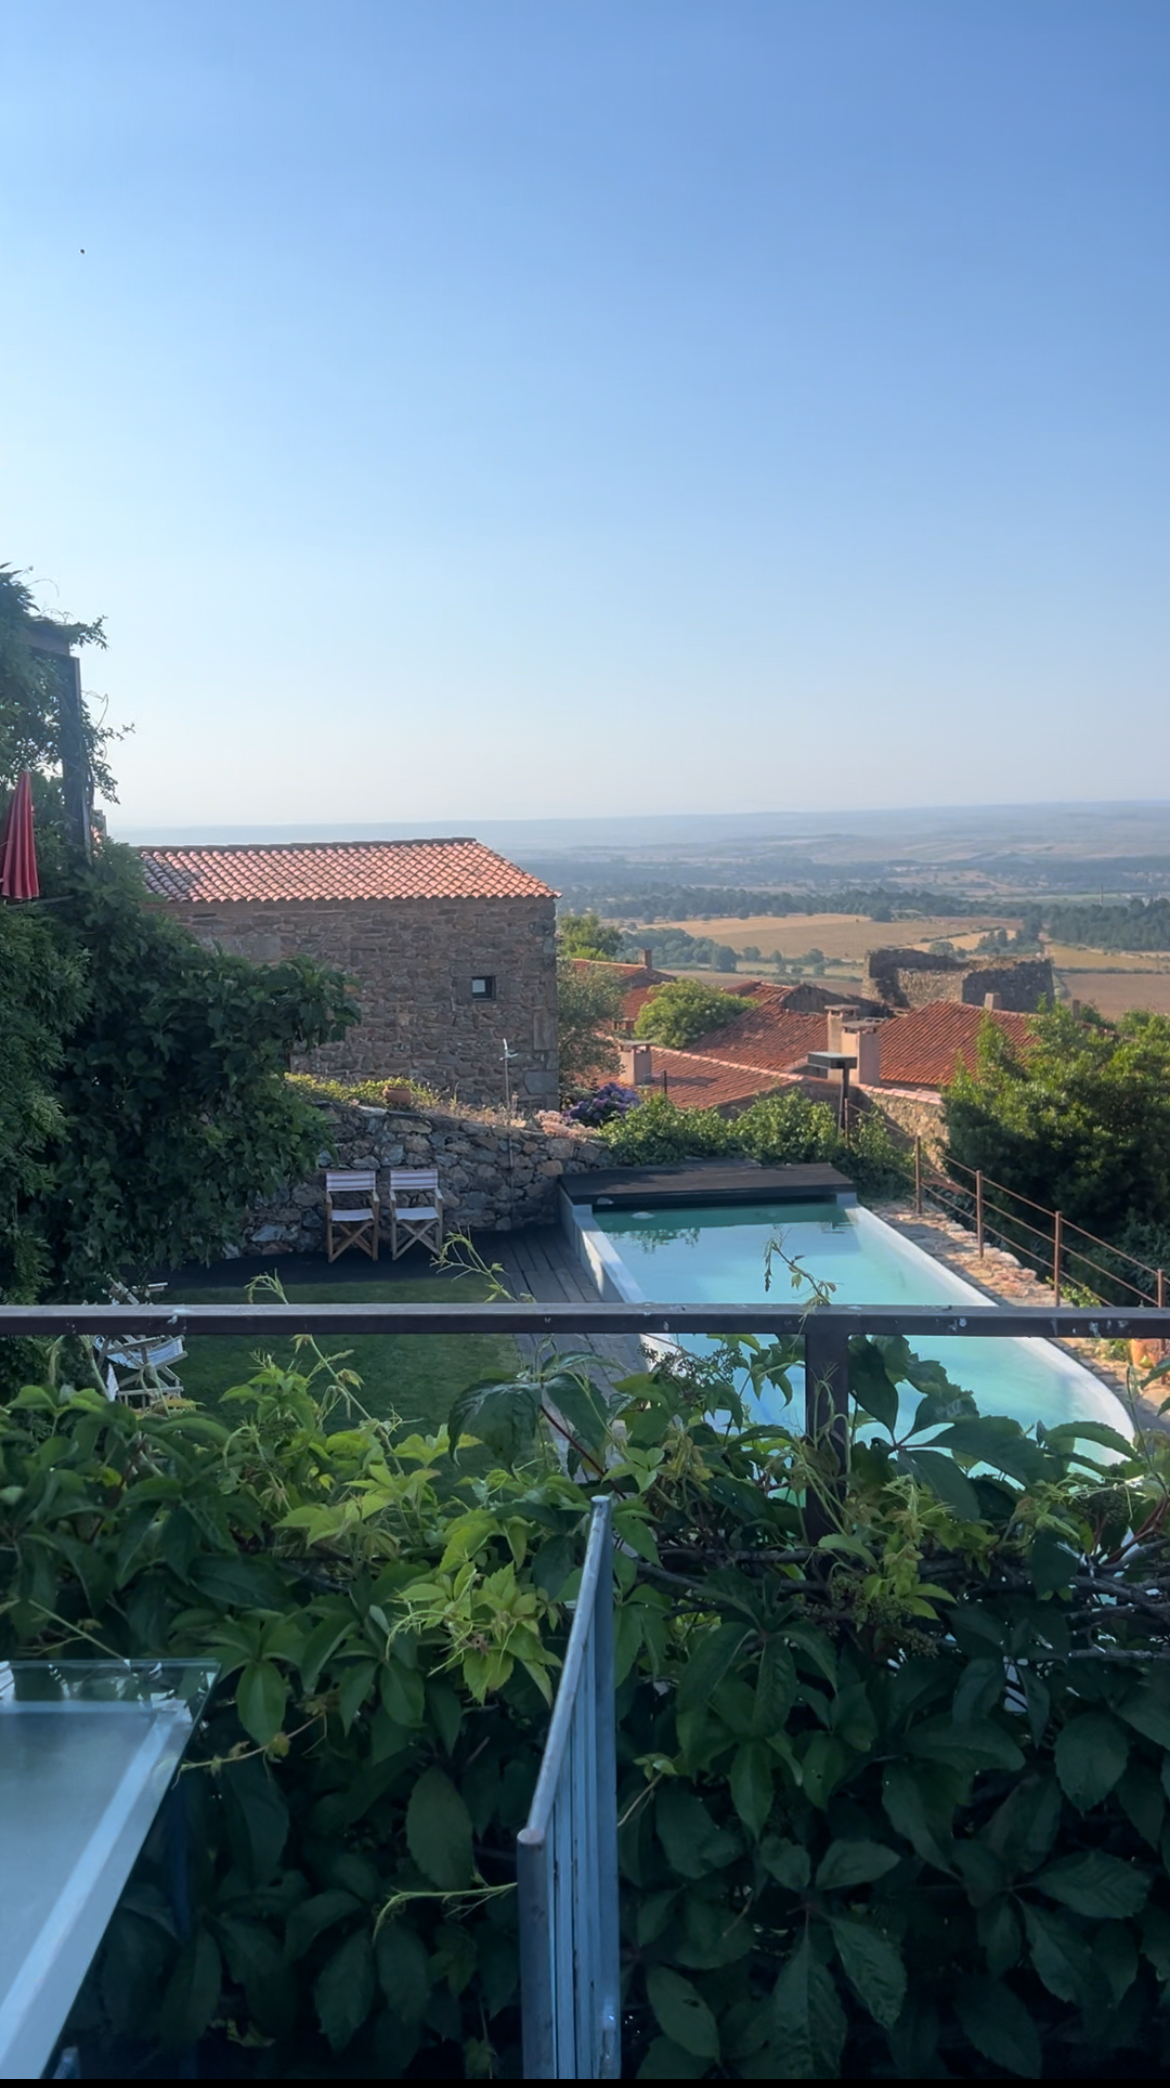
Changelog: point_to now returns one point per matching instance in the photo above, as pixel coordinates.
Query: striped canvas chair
(349, 1224)
(416, 1209)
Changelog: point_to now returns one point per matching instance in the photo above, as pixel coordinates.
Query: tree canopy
(589, 1006)
(676, 1014)
(587, 935)
(143, 1103)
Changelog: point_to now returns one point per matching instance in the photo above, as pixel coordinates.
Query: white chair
(137, 1367)
(411, 1220)
(352, 1225)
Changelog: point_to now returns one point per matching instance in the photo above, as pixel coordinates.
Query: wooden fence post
(1057, 1242)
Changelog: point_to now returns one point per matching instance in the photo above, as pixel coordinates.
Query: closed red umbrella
(18, 855)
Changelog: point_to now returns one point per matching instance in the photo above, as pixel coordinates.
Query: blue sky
(505, 408)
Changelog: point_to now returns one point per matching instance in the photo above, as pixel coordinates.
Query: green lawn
(413, 1376)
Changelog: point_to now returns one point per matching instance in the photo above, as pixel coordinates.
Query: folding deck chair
(411, 1220)
(350, 1225)
(137, 1367)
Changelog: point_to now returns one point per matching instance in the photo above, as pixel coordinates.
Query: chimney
(865, 1038)
(834, 1018)
(992, 1000)
(637, 1068)
(648, 959)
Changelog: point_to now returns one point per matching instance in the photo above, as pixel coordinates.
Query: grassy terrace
(412, 1377)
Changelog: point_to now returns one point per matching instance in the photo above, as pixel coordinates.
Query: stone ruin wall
(914, 978)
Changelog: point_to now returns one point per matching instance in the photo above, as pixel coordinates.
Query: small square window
(483, 987)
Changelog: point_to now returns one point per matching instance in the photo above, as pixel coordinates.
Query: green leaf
(192, 1994)
(1101, 1886)
(751, 1785)
(321, 1644)
(1115, 1956)
(823, 1765)
(353, 1689)
(258, 1963)
(313, 1916)
(979, 1744)
(788, 1863)
(998, 1929)
(1091, 1753)
(257, 1819)
(261, 1695)
(1024, 1827)
(1068, 1434)
(403, 1694)
(502, 1414)
(438, 1831)
(931, 1468)
(775, 1689)
(445, 1709)
(692, 1841)
(1148, 1712)
(808, 2021)
(847, 1863)
(344, 1991)
(1060, 1954)
(870, 1385)
(1054, 1565)
(708, 1663)
(1140, 1797)
(873, 1967)
(667, 2061)
(681, 2012)
(403, 1970)
(916, 1803)
(1155, 1933)
(999, 2026)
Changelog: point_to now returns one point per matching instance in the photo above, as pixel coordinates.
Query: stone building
(916, 978)
(452, 949)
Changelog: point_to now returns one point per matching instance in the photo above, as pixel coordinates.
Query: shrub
(675, 1015)
(658, 1133)
(589, 1003)
(782, 1130)
(892, 1804)
(610, 1101)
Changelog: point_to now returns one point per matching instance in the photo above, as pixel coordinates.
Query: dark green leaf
(667, 2061)
(438, 1831)
(788, 1863)
(313, 1916)
(261, 1695)
(257, 1962)
(847, 1863)
(1155, 1934)
(1054, 1566)
(873, 1967)
(998, 1928)
(1068, 1434)
(1147, 1710)
(192, 1994)
(1060, 1954)
(553, 1564)
(504, 1415)
(403, 1693)
(751, 1785)
(257, 1819)
(357, 1681)
(321, 1643)
(344, 1992)
(692, 1841)
(775, 1689)
(808, 2021)
(823, 1765)
(920, 1805)
(1139, 1795)
(1104, 1887)
(870, 1385)
(681, 2012)
(446, 1712)
(1024, 1827)
(1091, 1753)
(708, 1660)
(403, 1970)
(931, 1468)
(1115, 1956)
(999, 2026)
(714, 1934)
(979, 1744)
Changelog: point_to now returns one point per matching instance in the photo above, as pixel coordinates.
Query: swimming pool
(717, 1256)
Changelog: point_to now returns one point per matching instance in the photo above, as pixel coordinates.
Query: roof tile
(925, 1047)
(300, 871)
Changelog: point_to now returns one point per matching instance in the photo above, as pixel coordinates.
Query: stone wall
(414, 960)
(913, 1116)
(494, 1176)
(914, 978)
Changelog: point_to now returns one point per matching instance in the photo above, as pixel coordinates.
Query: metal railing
(566, 1855)
(1050, 1248)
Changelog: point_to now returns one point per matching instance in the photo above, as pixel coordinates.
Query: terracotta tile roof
(315, 870)
(924, 1047)
(767, 1036)
(696, 1082)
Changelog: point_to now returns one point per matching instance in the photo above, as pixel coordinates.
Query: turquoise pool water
(717, 1255)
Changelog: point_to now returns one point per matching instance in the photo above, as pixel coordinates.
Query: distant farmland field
(1115, 992)
(846, 937)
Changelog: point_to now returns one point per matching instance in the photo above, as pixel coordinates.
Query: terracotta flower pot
(397, 1094)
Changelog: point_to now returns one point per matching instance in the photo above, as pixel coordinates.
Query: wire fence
(1051, 1247)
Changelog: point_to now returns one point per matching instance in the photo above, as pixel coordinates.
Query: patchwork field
(847, 937)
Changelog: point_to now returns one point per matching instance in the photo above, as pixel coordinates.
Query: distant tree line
(1136, 924)
(665, 901)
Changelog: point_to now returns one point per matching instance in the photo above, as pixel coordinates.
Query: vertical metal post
(1057, 1244)
(826, 1408)
(979, 1212)
(1161, 1290)
(918, 1177)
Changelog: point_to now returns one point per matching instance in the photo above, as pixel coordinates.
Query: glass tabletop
(87, 1750)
